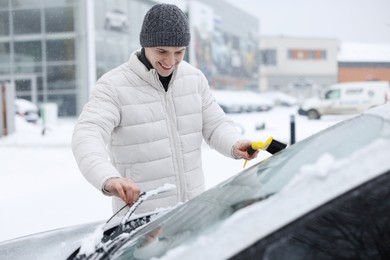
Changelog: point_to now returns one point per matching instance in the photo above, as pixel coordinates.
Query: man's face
(165, 59)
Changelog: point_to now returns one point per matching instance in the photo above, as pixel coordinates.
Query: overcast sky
(347, 20)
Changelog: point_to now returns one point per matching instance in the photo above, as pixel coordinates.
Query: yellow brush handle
(258, 145)
(261, 145)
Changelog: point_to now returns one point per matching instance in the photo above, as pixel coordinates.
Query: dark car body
(325, 197)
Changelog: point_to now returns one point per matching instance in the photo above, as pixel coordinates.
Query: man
(145, 121)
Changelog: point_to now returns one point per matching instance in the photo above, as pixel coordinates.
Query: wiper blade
(144, 196)
(245, 203)
(102, 245)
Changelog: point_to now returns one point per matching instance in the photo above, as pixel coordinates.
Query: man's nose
(170, 59)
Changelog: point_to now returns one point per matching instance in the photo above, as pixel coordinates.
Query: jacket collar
(150, 76)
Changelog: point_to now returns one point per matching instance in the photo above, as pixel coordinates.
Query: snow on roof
(364, 52)
(24, 105)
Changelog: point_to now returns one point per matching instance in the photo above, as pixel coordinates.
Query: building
(53, 51)
(362, 62)
(224, 44)
(299, 66)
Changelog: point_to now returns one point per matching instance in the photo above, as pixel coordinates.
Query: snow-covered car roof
(23, 105)
(280, 98)
(257, 202)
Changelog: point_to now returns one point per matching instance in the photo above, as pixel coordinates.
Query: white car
(346, 98)
(325, 197)
(254, 101)
(27, 109)
(280, 98)
(227, 101)
(232, 101)
(116, 20)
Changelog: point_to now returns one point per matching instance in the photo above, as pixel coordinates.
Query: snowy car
(232, 101)
(227, 101)
(27, 109)
(280, 98)
(116, 20)
(325, 197)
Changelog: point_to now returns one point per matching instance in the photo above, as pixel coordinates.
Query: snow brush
(271, 145)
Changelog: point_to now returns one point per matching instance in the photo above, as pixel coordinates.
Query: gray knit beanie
(165, 25)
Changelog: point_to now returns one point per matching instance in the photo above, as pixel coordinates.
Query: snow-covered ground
(42, 188)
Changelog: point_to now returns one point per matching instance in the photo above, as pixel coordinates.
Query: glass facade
(53, 51)
(43, 46)
(224, 44)
(118, 24)
(38, 41)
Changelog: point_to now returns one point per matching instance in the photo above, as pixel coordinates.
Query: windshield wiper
(245, 203)
(100, 243)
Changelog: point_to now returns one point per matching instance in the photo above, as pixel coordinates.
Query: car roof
(24, 105)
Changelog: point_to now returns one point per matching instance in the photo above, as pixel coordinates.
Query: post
(3, 111)
(7, 109)
(292, 129)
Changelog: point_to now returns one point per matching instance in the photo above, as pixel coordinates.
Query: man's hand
(123, 188)
(240, 150)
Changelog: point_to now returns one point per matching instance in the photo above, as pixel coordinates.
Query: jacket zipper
(174, 139)
(176, 142)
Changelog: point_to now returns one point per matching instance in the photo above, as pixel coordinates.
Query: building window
(59, 20)
(4, 4)
(61, 77)
(269, 57)
(4, 52)
(52, 3)
(26, 3)
(323, 54)
(4, 23)
(60, 50)
(29, 51)
(66, 103)
(290, 54)
(27, 21)
(306, 54)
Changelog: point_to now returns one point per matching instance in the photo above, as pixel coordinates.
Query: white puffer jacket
(132, 128)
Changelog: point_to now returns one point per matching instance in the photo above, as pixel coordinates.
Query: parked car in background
(116, 20)
(325, 197)
(27, 109)
(280, 98)
(346, 98)
(227, 101)
(253, 101)
(235, 101)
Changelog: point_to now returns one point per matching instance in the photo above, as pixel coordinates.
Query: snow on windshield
(307, 190)
(382, 111)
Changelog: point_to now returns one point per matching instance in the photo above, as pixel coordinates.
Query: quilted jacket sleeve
(218, 130)
(92, 133)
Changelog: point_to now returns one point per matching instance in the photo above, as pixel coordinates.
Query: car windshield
(207, 211)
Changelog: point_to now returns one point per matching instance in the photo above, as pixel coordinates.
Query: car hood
(54, 244)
